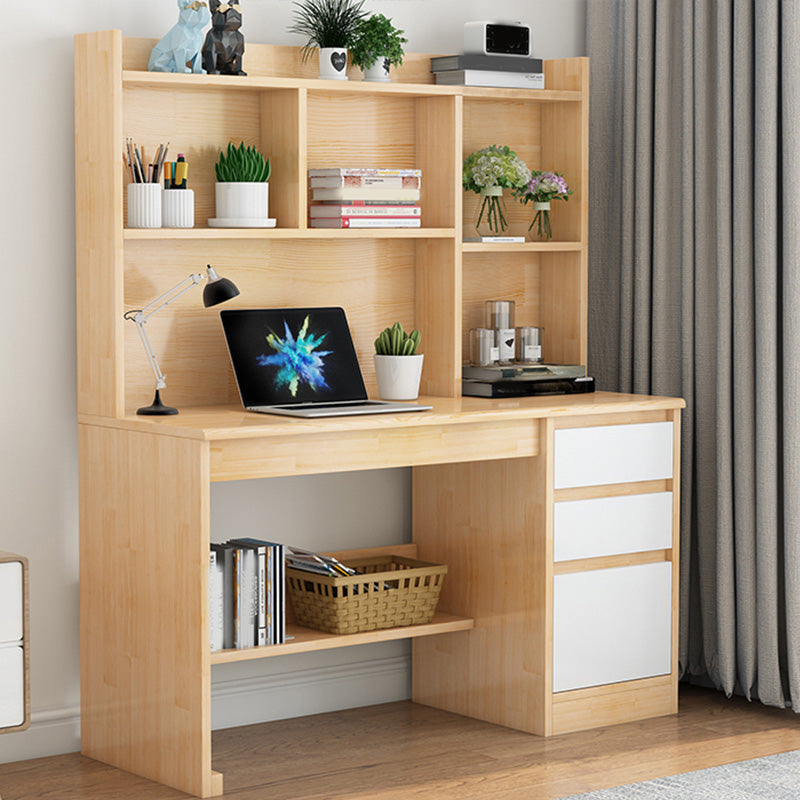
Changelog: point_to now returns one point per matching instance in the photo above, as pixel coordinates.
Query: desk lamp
(217, 290)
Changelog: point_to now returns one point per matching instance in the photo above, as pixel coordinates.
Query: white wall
(38, 465)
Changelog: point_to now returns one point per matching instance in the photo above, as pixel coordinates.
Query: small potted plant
(487, 172)
(378, 46)
(541, 190)
(398, 366)
(330, 27)
(242, 191)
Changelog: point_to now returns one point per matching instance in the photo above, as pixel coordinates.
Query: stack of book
(246, 590)
(476, 69)
(364, 198)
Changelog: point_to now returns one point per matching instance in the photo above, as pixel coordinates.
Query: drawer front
(607, 526)
(611, 625)
(10, 601)
(12, 688)
(613, 454)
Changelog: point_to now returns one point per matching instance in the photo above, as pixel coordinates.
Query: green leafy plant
(395, 341)
(326, 23)
(376, 38)
(240, 164)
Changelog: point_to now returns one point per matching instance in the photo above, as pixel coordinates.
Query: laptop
(299, 362)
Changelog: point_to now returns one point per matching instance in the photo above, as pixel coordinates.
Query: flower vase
(539, 229)
(490, 215)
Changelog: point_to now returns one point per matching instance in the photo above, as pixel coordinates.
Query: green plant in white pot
(242, 191)
(329, 27)
(398, 366)
(378, 46)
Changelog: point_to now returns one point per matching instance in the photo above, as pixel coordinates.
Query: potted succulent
(378, 46)
(330, 27)
(398, 366)
(242, 191)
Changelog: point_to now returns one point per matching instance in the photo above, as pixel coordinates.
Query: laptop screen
(282, 356)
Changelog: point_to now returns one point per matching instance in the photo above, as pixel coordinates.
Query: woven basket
(399, 591)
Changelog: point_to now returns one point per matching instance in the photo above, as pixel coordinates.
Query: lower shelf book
(246, 594)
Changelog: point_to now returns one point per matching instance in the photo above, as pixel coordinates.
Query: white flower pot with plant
(378, 45)
(329, 26)
(398, 366)
(487, 172)
(242, 191)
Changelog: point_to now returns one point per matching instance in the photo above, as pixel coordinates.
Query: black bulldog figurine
(224, 44)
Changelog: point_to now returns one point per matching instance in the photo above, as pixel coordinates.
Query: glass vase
(539, 229)
(490, 214)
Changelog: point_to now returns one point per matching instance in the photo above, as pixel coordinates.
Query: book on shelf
(276, 582)
(491, 78)
(486, 62)
(366, 222)
(257, 579)
(366, 193)
(364, 181)
(224, 560)
(216, 604)
(495, 239)
(363, 210)
(331, 172)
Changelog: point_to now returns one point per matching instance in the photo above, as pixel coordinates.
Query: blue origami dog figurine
(179, 50)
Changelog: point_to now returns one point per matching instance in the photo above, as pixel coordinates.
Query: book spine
(368, 193)
(261, 597)
(238, 585)
(373, 181)
(268, 593)
(214, 600)
(281, 592)
(353, 210)
(492, 79)
(367, 222)
(371, 171)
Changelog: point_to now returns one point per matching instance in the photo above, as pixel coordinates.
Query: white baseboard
(240, 702)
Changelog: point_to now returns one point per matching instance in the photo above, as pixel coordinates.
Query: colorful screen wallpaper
(292, 355)
(298, 360)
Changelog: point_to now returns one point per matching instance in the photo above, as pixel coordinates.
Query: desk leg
(145, 670)
(491, 523)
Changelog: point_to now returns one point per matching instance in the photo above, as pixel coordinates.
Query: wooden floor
(402, 751)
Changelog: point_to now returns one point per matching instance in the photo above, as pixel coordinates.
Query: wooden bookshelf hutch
(493, 480)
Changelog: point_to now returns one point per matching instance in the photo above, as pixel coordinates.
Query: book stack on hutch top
(365, 197)
(481, 69)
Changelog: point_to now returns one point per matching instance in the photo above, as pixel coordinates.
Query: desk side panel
(489, 523)
(145, 669)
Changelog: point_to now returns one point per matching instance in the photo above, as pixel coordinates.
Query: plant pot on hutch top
(378, 46)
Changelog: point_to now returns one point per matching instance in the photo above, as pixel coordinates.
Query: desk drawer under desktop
(373, 448)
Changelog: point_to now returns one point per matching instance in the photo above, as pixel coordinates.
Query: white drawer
(611, 625)
(12, 689)
(613, 454)
(607, 526)
(10, 601)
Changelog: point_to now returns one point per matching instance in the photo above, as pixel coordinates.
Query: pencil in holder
(144, 205)
(177, 208)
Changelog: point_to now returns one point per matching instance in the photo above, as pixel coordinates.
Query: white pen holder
(144, 205)
(177, 208)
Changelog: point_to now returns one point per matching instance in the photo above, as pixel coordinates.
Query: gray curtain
(695, 291)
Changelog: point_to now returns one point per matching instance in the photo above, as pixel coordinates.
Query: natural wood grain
(487, 523)
(145, 677)
(608, 562)
(98, 221)
(403, 446)
(613, 490)
(6, 557)
(402, 750)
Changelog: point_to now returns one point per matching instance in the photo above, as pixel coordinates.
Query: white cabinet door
(606, 526)
(611, 625)
(613, 454)
(12, 688)
(10, 601)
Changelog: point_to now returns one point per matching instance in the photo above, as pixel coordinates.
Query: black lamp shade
(219, 291)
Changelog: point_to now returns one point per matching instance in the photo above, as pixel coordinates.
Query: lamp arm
(139, 319)
(157, 304)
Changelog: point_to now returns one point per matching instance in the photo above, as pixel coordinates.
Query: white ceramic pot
(378, 72)
(144, 205)
(398, 376)
(177, 208)
(333, 63)
(246, 200)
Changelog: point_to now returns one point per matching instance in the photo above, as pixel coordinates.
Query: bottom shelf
(306, 640)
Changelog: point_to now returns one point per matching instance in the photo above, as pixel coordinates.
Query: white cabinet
(612, 454)
(605, 526)
(14, 703)
(611, 625)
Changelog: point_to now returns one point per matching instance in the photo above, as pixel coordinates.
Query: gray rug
(769, 778)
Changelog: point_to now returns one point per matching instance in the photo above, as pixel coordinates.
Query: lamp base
(157, 408)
